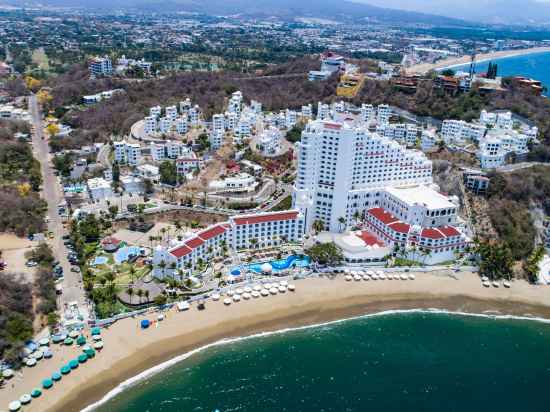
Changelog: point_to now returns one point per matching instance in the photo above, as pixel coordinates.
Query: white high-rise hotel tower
(343, 169)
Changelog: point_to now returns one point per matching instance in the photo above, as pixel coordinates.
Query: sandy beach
(458, 61)
(130, 350)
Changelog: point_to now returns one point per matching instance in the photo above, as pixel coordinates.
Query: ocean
(412, 361)
(530, 65)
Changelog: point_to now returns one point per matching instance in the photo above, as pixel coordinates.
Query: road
(51, 192)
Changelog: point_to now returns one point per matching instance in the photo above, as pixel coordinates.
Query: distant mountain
(285, 9)
(529, 12)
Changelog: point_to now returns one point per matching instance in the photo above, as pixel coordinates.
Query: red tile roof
(369, 238)
(334, 126)
(383, 216)
(432, 233)
(449, 231)
(273, 217)
(180, 251)
(195, 242)
(400, 227)
(212, 232)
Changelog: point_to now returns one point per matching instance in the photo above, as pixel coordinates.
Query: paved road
(51, 192)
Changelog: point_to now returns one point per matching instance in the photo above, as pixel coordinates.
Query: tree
(326, 254)
(295, 134)
(342, 222)
(113, 211)
(130, 292)
(168, 173)
(318, 226)
(448, 72)
(148, 186)
(52, 129)
(116, 172)
(160, 300)
(531, 265)
(496, 261)
(147, 295)
(139, 294)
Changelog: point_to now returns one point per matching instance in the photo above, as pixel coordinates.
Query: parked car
(31, 263)
(75, 269)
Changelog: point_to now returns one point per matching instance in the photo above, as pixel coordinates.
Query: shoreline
(130, 351)
(452, 62)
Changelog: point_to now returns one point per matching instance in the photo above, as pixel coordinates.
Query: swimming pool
(74, 189)
(123, 254)
(100, 260)
(292, 261)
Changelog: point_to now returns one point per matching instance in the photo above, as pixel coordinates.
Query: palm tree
(426, 253)
(146, 295)
(342, 221)
(151, 239)
(139, 294)
(162, 266)
(253, 242)
(318, 226)
(356, 216)
(130, 292)
(132, 274)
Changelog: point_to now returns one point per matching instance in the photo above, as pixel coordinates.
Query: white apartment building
(127, 153)
(99, 188)
(383, 114)
(256, 106)
(307, 112)
(491, 153)
(150, 124)
(343, 169)
(459, 130)
(290, 118)
(168, 150)
(502, 120)
(323, 111)
(367, 112)
(171, 112)
(239, 232)
(241, 183)
(404, 132)
(231, 120)
(235, 103)
(148, 171)
(165, 124)
(428, 139)
(187, 163)
(185, 105)
(194, 115)
(100, 66)
(218, 122)
(155, 111)
(181, 125)
(269, 141)
(216, 138)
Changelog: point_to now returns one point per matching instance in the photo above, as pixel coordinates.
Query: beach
(459, 61)
(129, 350)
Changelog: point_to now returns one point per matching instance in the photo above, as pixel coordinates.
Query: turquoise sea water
(535, 66)
(396, 362)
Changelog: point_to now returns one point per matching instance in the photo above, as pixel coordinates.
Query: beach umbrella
(57, 338)
(56, 376)
(273, 291)
(82, 358)
(73, 363)
(248, 289)
(160, 317)
(484, 278)
(48, 353)
(496, 284)
(81, 340)
(38, 355)
(96, 331)
(227, 301)
(98, 345)
(65, 369)
(44, 342)
(236, 297)
(36, 393)
(239, 291)
(25, 398)
(246, 295)
(96, 338)
(291, 287)
(264, 292)
(390, 276)
(255, 294)
(31, 362)
(366, 277)
(486, 284)
(382, 276)
(68, 341)
(282, 289)
(357, 277)
(257, 288)
(283, 283)
(215, 296)
(144, 324)
(14, 406)
(348, 278)
(230, 293)
(89, 352)
(506, 284)
(7, 373)
(47, 383)
(404, 277)
(73, 334)
(412, 277)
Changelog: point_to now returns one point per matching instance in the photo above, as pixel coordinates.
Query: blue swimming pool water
(124, 253)
(100, 260)
(74, 189)
(293, 261)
